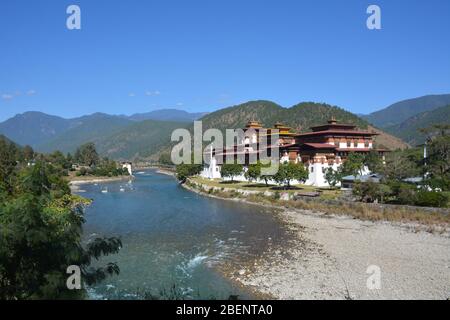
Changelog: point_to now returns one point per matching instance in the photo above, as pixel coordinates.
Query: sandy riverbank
(331, 254)
(76, 182)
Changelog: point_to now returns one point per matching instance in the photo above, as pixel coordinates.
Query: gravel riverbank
(333, 254)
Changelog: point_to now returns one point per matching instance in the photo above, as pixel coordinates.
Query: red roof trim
(338, 132)
(320, 145)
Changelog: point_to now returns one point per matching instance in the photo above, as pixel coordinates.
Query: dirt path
(333, 254)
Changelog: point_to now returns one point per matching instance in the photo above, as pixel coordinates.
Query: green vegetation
(333, 177)
(183, 171)
(40, 230)
(433, 188)
(93, 128)
(231, 170)
(290, 171)
(139, 140)
(87, 156)
(327, 203)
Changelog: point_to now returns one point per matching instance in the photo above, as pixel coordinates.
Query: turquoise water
(173, 237)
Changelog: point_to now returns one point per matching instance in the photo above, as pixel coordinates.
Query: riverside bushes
(395, 192)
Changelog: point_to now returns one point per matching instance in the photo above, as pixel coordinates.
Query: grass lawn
(325, 193)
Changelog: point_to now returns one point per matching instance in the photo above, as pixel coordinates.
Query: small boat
(105, 190)
(122, 189)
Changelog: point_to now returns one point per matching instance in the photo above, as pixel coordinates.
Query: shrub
(431, 199)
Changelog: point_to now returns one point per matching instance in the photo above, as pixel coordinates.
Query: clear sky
(201, 55)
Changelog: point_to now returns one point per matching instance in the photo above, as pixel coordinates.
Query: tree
(165, 159)
(373, 161)
(371, 191)
(40, 236)
(333, 177)
(183, 171)
(87, 154)
(230, 170)
(253, 172)
(439, 154)
(8, 162)
(290, 171)
(354, 164)
(400, 165)
(28, 153)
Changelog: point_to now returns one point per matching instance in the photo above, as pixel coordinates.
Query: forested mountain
(47, 132)
(92, 128)
(138, 140)
(401, 111)
(120, 137)
(33, 128)
(167, 115)
(409, 130)
(300, 117)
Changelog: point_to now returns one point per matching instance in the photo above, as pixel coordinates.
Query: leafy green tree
(438, 164)
(371, 191)
(184, 171)
(87, 154)
(8, 162)
(28, 153)
(165, 159)
(253, 172)
(354, 164)
(231, 170)
(290, 171)
(400, 165)
(373, 161)
(40, 236)
(333, 177)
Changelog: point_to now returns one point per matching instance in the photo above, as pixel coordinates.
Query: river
(174, 240)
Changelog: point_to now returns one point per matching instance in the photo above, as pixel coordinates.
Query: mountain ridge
(409, 130)
(400, 111)
(123, 138)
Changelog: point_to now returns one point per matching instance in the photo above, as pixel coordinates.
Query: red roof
(354, 149)
(361, 150)
(320, 145)
(338, 132)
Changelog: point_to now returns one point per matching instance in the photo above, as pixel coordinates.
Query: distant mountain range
(167, 115)
(404, 119)
(300, 117)
(409, 130)
(401, 111)
(147, 135)
(47, 132)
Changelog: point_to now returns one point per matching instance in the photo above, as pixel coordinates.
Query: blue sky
(201, 55)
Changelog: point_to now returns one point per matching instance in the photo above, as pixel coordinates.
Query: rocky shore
(340, 257)
(76, 182)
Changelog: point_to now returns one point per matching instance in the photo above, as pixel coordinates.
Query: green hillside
(401, 111)
(409, 130)
(92, 129)
(300, 117)
(138, 140)
(33, 127)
